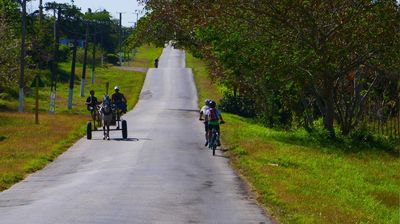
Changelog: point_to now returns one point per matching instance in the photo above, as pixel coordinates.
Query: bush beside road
(299, 179)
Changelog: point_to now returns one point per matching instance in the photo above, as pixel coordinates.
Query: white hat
(116, 87)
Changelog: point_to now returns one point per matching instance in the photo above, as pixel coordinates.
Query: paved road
(161, 174)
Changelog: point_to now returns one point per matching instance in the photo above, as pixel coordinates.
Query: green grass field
(298, 180)
(206, 89)
(145, 56)
(128, 82)
(26, 147)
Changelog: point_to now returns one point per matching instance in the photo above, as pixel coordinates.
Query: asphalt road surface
(161, 174)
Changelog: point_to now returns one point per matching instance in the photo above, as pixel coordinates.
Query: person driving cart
(119, 100)
(91, 101)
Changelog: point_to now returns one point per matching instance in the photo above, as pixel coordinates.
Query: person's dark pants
(210, 127)
(121, 106)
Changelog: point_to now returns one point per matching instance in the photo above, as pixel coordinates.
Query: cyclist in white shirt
(203, 112)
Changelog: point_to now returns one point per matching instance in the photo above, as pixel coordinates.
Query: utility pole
(36, 80)
(128, 51)
(135, 26)
(102, 51)
(72, 77)
(137, 15)
(53, 88)
(123, 47)
(120, 38)
(94, 52)
(22, 58)
(83, 82)
(40, 12)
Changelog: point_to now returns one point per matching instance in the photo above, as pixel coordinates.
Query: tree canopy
(41, 47)
(296, 59)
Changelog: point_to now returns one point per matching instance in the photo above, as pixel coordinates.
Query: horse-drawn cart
(107, 114)
(115, 121)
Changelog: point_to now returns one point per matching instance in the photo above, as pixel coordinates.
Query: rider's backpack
(212, 114)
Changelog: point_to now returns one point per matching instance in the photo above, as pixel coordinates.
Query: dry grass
(140, 63)
(27, 147)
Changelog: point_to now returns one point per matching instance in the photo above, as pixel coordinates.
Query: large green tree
(326, 56)
(9, 46)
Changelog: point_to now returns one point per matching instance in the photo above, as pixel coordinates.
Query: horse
(106, 113)
(95, 114)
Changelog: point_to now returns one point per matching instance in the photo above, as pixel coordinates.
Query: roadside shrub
(5, 96)
(63, 53)
(365, 139)
(240, 105)
(274, 112)
(9, 93)
(80, 54)
(112, 59)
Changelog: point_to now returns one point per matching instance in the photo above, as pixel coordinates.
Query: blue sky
(128, 7)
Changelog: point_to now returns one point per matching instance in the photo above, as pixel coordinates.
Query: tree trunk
(83, 83)
(22, 58)
(329, 110)
(94, 53)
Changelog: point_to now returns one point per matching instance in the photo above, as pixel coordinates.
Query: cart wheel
(124, 129)
(89, 130)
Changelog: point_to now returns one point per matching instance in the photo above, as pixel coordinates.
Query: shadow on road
(222, 156)
(185, 110)
(126, 139)
(123, 140)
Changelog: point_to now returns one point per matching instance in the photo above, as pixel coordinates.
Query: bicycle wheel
(89, 130)
(213, 148)
(214, 141)
(210, 142)
(124, 129)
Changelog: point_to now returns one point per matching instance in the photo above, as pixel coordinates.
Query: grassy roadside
(145, 56)
(299, 181)
(206, 89)
(26, 147)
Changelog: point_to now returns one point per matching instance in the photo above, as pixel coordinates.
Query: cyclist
(119, 100)
(203, 112)
(156, 63)
(91, 102)
(214, 118)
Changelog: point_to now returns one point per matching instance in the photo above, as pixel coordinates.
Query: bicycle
(214, 140)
